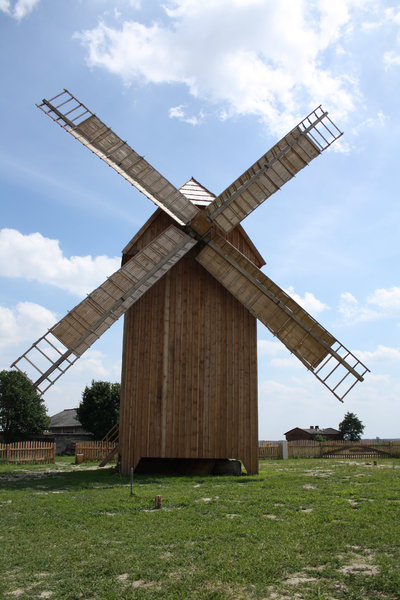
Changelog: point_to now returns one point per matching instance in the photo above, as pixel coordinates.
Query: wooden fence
(270, 450)
(28, 452)
(93, 451)
(331, 449)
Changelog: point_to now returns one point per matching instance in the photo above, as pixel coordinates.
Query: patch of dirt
(306, 510)
(272, 517)
(140, 583)
(352, 502)
(232, 516)
(122, 577)
(360, 567)
(299, 579)
(45, 594)
(360, 563)
(309, 486)
(207, 499)
(17, 593)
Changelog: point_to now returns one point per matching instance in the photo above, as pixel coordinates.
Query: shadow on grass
(84, 478)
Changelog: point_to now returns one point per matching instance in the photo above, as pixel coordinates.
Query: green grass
(324, 530)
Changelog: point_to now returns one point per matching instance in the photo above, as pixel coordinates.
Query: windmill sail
(291, 154)
(314, 346)
(85, 323)
(81, 123)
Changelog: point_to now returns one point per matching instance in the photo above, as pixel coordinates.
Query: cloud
(382, 354)
(391, 59)
(19, 9)
(38, 258)
(178, 112)
(269, 348)
(309, 302)
(23, 323)
(381, 304)
(254, 57)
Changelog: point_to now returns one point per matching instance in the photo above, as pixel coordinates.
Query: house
(67, 430)
(299, 433)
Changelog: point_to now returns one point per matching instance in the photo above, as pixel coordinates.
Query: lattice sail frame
(303, 336)
(321, 353)
(314, 134)
(85, 323)
(73, 116)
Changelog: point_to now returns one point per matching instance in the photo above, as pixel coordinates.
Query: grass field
(301, 529)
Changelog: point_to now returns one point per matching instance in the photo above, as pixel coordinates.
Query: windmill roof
(197, 193)
(200, 196)
(65, 418)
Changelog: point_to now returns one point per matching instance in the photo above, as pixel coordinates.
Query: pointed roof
(197, 193)
(200, 196)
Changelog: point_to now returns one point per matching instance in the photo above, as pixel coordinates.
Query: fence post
(285, 451)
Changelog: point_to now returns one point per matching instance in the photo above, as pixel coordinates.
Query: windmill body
(191, 288)
(189, 372)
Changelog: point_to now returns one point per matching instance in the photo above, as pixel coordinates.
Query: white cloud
(391, 59)
(23, 323)
(269, 348)
(309, 302)
(383, 354)
(286, 363)
(19, 9)
(178, 112)
(38, 258)
(382, 303)
(256, 57)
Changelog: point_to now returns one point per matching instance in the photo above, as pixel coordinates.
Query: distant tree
(319, 438)
(22, 410)
(98, 411)
(351, 428)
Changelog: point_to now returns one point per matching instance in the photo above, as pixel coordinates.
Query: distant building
(67, 430)
(299, 433)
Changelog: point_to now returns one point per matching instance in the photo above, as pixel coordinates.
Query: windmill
(191, 289)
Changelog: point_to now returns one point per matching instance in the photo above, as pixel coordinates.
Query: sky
(202, 89)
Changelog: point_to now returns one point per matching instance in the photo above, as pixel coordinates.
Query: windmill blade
(85, 323)
(334, 365)
(79, 121)
(292, 153)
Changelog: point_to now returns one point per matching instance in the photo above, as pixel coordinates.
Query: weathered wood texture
(189, 373)
(331, 449)
(28, 452)
(94, 450)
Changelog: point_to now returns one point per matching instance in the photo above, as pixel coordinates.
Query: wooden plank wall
(189, 373)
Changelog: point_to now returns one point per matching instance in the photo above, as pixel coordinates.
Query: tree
(98, 411)
(22, 410)
(351, 428)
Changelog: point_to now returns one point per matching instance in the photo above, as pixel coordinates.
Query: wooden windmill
(191, 289)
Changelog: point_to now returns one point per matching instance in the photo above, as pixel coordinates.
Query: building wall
(189, 373)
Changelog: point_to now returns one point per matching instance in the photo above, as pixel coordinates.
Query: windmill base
(188, 466)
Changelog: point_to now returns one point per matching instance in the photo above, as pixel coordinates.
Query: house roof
(65, 418)
(315, 431)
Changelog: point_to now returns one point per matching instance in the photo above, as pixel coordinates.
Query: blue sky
(203, 89)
